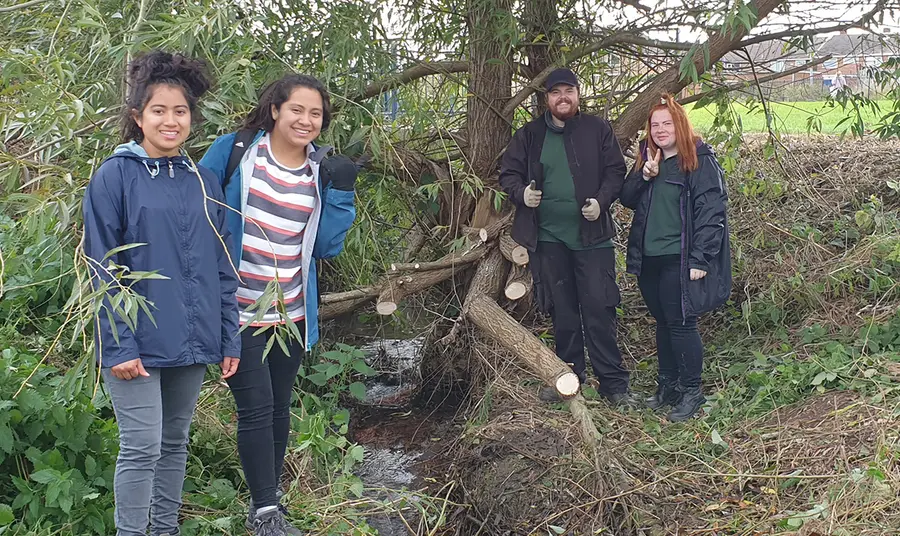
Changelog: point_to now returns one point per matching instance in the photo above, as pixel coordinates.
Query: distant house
(851, 55)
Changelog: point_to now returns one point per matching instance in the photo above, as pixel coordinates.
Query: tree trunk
(540, 26)
(519, 283)
(488, 278)
(492, 320)
(513, 252)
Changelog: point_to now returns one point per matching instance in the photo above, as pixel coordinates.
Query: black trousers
(262, 392)
(677, 338)
(583, 295)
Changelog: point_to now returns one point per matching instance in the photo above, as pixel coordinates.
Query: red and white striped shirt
(279, 205)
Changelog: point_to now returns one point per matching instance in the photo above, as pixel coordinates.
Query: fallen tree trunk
(336, 309)
(397, 288)
(519, 283)
(336, 297)
(472, 254)
(489, 277)
(513, 252)
(492, 320)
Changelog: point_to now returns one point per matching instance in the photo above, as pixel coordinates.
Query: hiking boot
(691, 401)
(667, 394)
(549, 394)
(622, 400)
(269, 523)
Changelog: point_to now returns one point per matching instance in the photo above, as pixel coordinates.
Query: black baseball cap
(560, 76)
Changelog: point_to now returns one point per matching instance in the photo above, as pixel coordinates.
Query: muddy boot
(549, 394)
(691, 401)
(667, 394)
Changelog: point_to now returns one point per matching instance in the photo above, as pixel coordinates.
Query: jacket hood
(133, 151)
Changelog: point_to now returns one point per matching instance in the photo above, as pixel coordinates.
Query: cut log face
(513, 252)
(519, 283)
(567, 385)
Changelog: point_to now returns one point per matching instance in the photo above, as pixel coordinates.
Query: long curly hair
(156, 68)
(685, 139)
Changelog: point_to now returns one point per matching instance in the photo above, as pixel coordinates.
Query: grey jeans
(154, 415)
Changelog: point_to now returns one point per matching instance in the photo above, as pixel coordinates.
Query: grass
(790, 117)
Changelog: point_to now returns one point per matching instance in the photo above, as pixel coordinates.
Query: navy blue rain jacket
(160, 202)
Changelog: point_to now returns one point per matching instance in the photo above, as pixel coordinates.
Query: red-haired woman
(678, 248)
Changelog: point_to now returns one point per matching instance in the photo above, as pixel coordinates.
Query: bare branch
(671, 81)
(866, 18)
(21, 6)
(409, 75)
(615, 39)
(747, 83)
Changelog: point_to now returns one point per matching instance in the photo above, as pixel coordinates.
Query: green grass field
(790, 117)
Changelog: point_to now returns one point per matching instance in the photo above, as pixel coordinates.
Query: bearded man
(563, 171)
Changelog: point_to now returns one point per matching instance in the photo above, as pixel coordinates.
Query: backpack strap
(242, 141)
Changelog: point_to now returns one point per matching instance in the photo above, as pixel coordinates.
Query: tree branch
(615, 39)
(747, 83)
(21, 6)
(866, 18)
(671, 81)
(409, 75)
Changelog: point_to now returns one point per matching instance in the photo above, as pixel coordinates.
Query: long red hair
(685, 139)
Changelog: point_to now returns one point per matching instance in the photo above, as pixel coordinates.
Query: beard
(568, 114)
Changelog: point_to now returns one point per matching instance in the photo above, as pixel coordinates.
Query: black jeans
(677, 338)
(583, 293)
(262, 391)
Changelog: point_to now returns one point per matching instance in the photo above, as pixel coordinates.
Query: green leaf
(363, 368)
(557, 529)
(356, 489)
(820, 377)
(717, 439)
(90, 466)
(318, 379)
(358, 390)
(120, 249)
(357, 453)
(7, 441)
(45, 476)
(6, 515)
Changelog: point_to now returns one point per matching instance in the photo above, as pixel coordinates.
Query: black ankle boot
(667, 394)
(691, 401)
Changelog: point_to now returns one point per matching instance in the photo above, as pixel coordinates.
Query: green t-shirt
(559, 214)
(662, 236)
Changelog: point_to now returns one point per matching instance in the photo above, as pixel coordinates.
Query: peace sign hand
(651, 167)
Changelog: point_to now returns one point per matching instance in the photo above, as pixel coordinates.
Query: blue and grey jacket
(159, 203)
(325, 231)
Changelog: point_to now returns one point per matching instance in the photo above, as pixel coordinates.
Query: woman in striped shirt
(291, 206)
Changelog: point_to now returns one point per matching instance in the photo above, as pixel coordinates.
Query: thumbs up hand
(532, 196)
(591, 209)
(651, 166)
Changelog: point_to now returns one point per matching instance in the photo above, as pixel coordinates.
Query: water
(400, 436)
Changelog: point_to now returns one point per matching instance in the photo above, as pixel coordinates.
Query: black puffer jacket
(704, 231)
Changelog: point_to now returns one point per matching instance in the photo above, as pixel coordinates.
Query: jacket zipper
(685, 274)
(171, 170)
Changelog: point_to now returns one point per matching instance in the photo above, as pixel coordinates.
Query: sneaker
(289, 529)
(691, 402)
(667, 394)
(270, 523)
